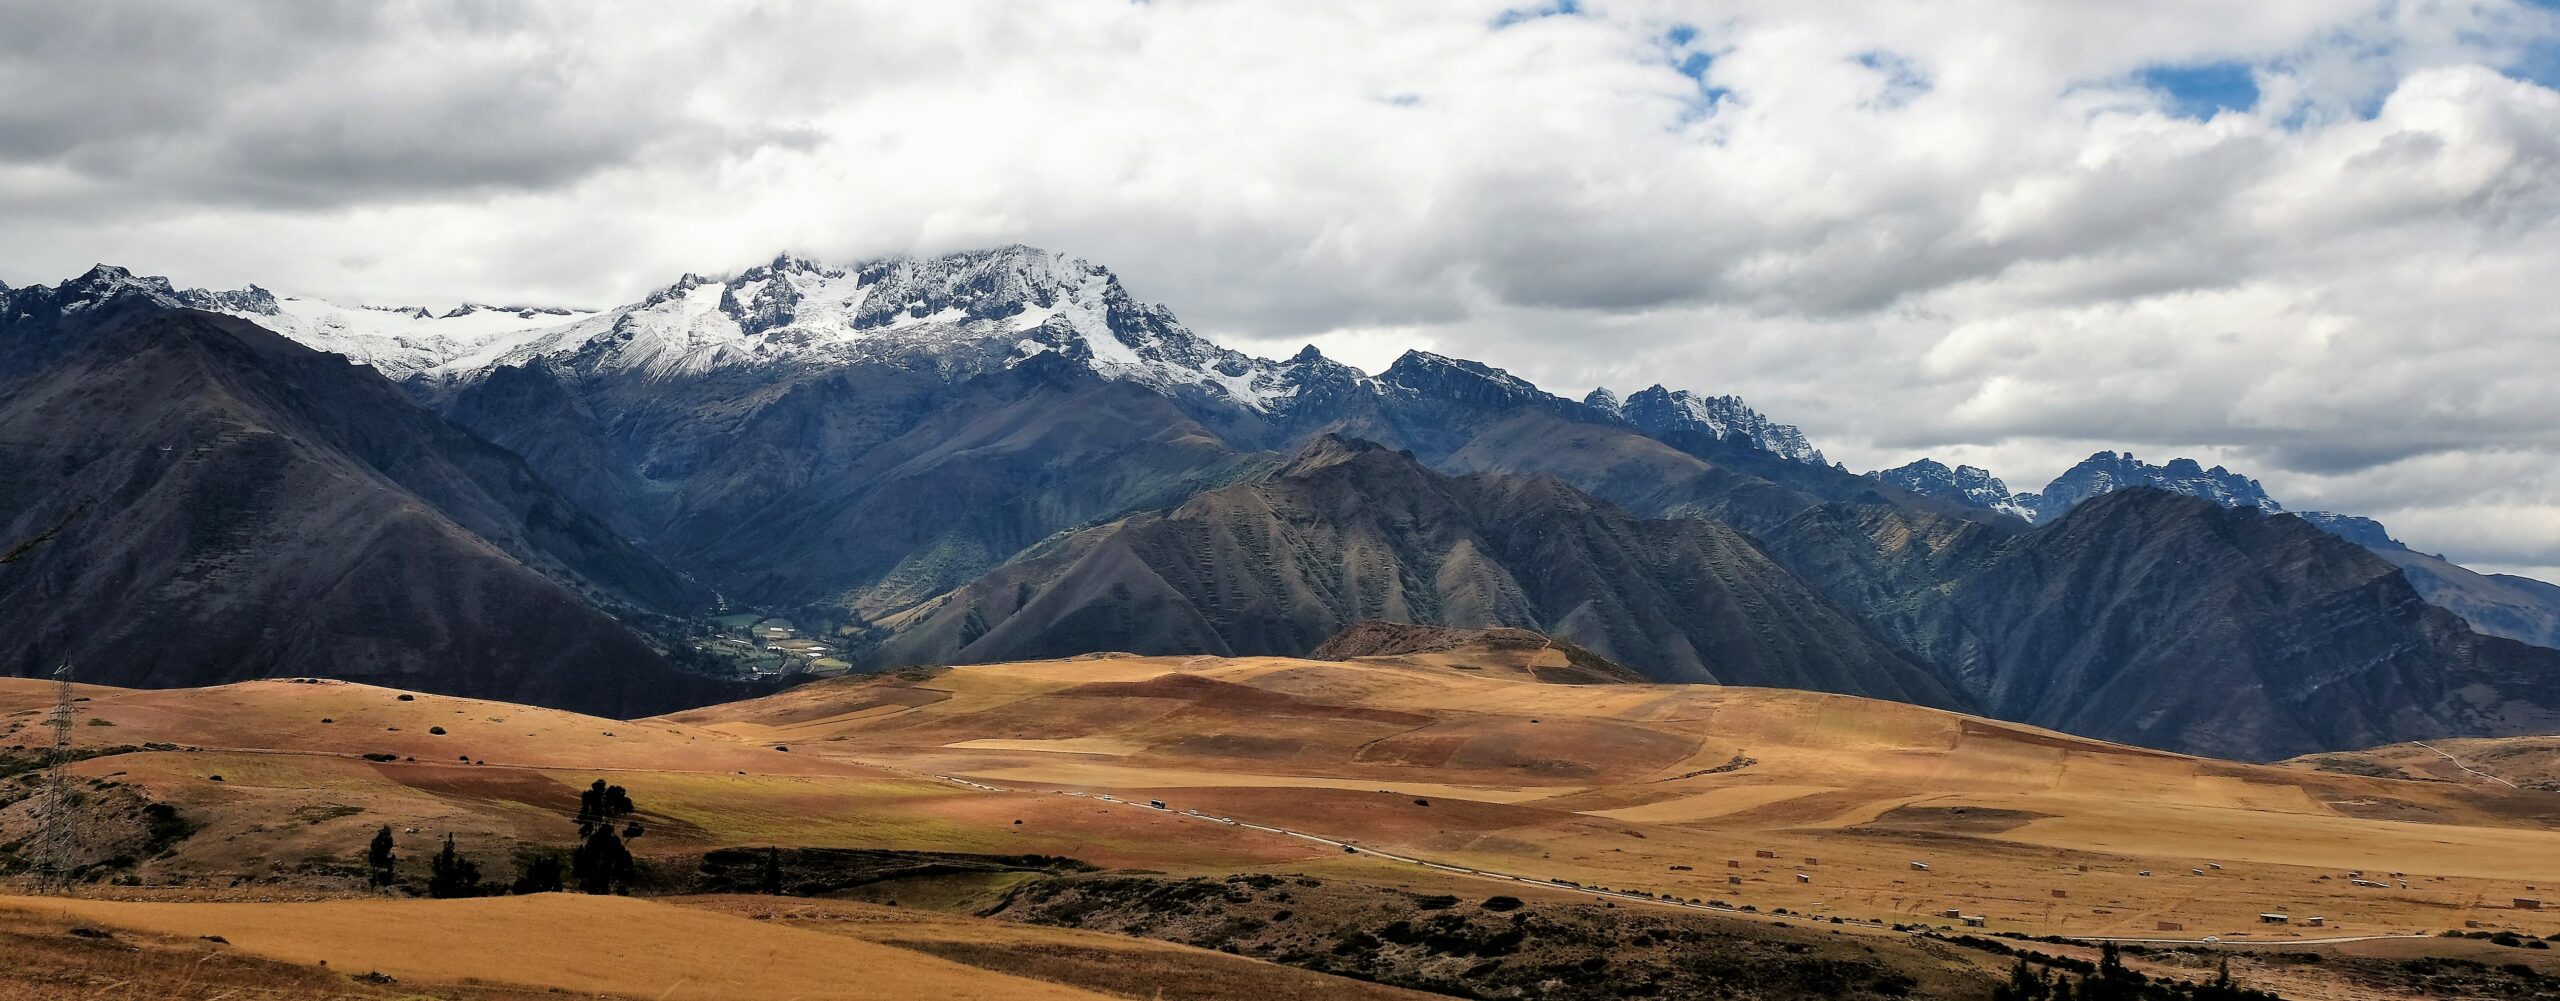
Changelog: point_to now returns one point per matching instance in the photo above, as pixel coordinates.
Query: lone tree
(602, 863)
(450, 875)
(378, 861)
(600, 804)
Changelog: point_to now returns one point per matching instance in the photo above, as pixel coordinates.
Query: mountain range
(1004, 454)
(2101, 473)
(2518, 608)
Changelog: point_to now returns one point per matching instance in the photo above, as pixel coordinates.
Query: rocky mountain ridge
(2517, 608)
(2101, 473)
(1969, 485)
(1662, 412)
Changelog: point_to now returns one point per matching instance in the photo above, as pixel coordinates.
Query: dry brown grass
(1593, 783)
(585, 945)
(1614, 785)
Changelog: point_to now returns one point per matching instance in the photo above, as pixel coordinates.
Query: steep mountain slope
(865, 437)
(858, 485)
(2026, 622)
(1006, 460)
(2170, 621)
(2519, 608)
(1350, 530)
(247, 507)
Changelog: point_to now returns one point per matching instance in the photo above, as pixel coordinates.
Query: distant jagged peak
(105, 283)
(962, 313)
(2107, 471)
(1661, 411)
(100, 284)
(1417, 361)
(1970, 485)
(1604, 400)
(1461, 380)
(469, 308)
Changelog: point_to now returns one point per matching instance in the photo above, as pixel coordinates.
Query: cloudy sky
(2318, 241)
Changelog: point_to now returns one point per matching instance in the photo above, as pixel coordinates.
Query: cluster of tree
(2113, 981)
(600, 862)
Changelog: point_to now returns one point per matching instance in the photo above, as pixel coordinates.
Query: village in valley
(763, 648)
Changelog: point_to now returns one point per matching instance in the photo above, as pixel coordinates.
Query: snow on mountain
(965, 313)
(2109, 471)
(395, 341)
(961, 314)
(106, 283)
(1660, 411)
(1972, 485)
(2098, 474)
(1459, 379)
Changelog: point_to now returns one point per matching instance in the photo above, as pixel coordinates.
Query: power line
(57, 831)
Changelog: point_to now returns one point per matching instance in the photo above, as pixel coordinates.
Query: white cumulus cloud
(2313, 239)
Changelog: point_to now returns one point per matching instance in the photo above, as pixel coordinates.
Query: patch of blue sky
(1679, 50)
(1552, 8)
(2203, 90)
(1902, 80)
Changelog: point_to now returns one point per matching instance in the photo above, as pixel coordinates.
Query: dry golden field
(1679, 789)
(1814, 804)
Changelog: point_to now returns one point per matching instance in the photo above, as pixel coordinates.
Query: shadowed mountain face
(2518, 608)
(2236, 633)
(2172, 621)
(241, 506)
(871, 486)
(1349, 530)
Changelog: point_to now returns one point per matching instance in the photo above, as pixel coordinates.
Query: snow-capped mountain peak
(1660, 411)
(2108, 471)
(2100, 473)
(965, 312)
(1972, 485)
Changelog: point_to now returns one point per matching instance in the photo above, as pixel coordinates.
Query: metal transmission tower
(57, 834)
